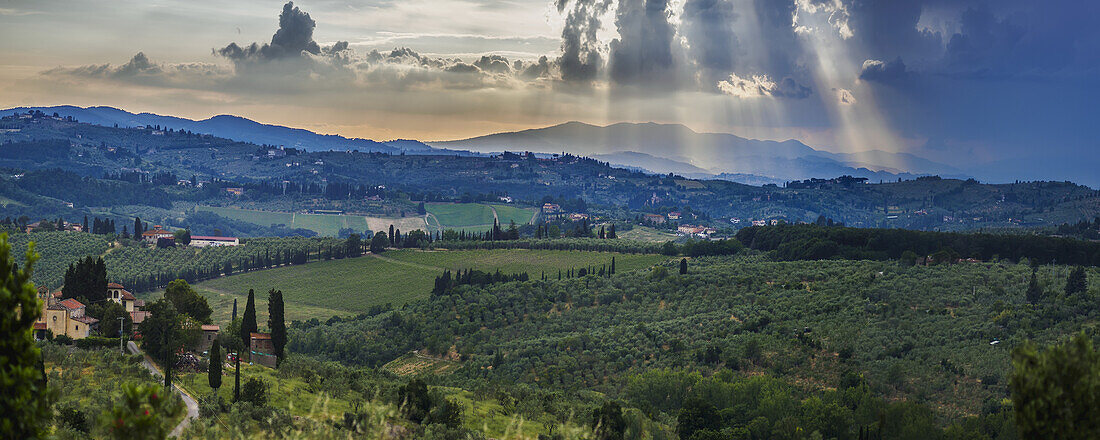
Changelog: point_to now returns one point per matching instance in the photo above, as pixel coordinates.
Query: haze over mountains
(657, 148)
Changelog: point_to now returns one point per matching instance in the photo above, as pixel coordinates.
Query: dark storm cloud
(580, 59)
(883, 71)
(707, 27)
(293, 39)
(643, 53)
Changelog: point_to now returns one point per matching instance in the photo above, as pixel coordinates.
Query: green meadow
(351, 286)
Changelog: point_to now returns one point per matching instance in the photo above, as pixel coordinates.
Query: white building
(204, 241)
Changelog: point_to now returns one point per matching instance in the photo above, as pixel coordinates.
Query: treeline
(88, 191)
(444, 284)
(812, 242)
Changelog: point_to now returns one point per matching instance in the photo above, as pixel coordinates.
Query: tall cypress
(235, 309)
(237, 381)
(276, 323)
(214, 372)
(248, 323)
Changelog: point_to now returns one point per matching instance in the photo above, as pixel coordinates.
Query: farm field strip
(351, 286)
(323, 224)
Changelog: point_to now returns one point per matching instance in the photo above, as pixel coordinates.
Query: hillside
(919, 333)
(144, 168)
(358, 285)
(658, 148)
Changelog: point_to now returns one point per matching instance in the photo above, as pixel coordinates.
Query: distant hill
(235, 128)
(712, 153)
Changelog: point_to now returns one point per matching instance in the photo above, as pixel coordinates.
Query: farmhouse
(152, 235)
(261, 350)
(116, 293)
(209, 334)
(674, 215)
(62, 317)
(691, 230)
(204, 241)
(655, 218)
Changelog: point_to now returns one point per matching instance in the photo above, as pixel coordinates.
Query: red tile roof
(212, 328)
(260, 335)
(212, 238)
(40, 326)
(114, 286)
(86, 319)
(56, 294)
(71, 304)
(128, 296)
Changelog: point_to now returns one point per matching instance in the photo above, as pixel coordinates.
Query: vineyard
(57, 251)
(141, 268)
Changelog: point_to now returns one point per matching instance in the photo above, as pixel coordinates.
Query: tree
(608, 423)
(25, 408)
(378, 243)
(86, 280)
(1078, 281)
(140, 413)
(214, 371)
(392, 235)
(276, 323)
(611, 232)
(355, 246)
(683, 266)
(188, 301)
(1034, 292)
(108, 312)
(696, 415)
(254, 391)
(248, 323)
(163, 335)
(183, 237)
(138, 228)
(234, 316)
(1056, 392)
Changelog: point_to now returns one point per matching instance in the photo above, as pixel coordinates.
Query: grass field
(475, 216)
(351, 286)
(323, 224)
(644, 233)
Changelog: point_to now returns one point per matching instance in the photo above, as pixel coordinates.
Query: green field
(351, 286)
(323, 224)
(475, 216)
(645, 233)
(522, 260)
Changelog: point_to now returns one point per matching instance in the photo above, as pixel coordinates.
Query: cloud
(707, 26)
(493, 63)
(580, 58)
(845, 97)
(883, 71)
(293, 39)
(760, 86)
(643, 52)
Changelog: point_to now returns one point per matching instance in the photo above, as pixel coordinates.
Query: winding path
(192, 405)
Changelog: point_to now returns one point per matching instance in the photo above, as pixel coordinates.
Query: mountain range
(651, 147)
(665, 148)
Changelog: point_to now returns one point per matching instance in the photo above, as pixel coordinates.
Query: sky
(1008, 85)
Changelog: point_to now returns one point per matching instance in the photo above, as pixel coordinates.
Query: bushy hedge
(96, 341)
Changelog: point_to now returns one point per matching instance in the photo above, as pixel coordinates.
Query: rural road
(192, 406)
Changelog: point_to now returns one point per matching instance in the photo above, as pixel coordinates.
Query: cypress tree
(276, 323)
(214, 372)
(1078, 281)
(612, 258)
(248, 323)
(683, 266)
(1034, 293)
(237, 382)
